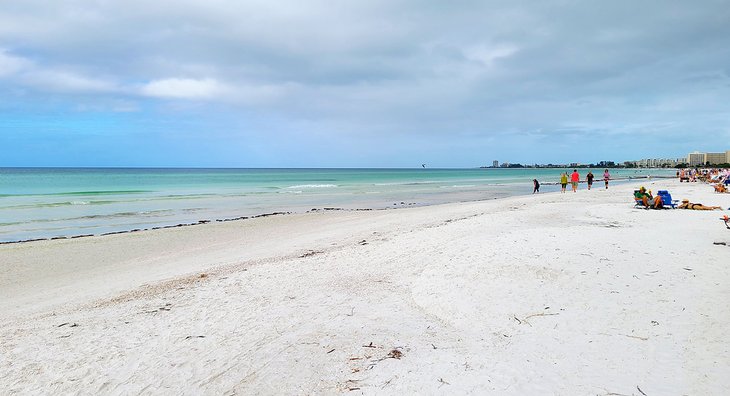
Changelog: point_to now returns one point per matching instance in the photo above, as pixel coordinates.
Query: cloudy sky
(360, 83)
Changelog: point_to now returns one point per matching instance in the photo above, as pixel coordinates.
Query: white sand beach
(551, 294)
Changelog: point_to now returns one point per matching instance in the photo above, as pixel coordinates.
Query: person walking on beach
(535, 186)
(574, 179)
(606, 177)
(563, 181)
(589, 179)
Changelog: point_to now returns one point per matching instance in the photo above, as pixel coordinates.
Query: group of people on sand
(575, 179)
(651, 202)
(718, 178)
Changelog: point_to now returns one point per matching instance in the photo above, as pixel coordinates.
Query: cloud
(488, 54)
(64, 81)
(10, 64)
(184, 88)
(466, 70)
(23, 71)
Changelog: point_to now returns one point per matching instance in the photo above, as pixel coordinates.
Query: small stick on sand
(541, 314)
(533, 315)
(637, 337)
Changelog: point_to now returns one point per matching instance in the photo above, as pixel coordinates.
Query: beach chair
(667, 199)
(637, 202)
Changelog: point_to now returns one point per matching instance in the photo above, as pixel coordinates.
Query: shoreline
(549, 293)
(397, 205)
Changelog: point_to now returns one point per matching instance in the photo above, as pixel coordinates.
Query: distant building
(654, 162)
(504, 165)
(495, 164)
(696, 158)
(715, 158)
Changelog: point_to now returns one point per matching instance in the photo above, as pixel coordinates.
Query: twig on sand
(441, 380)
(331, 350)
(642, 392)
(541, 314)
(369, 346)
(525, 319)
(637, 337)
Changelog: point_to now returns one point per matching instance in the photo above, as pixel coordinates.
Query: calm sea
(51, 202)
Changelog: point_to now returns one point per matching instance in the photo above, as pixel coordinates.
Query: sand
(566, 294)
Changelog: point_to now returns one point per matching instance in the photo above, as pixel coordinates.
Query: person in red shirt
(574, 178)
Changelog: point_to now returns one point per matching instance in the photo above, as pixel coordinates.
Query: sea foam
(313, 186)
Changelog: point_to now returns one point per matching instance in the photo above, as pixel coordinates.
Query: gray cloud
(457, 70)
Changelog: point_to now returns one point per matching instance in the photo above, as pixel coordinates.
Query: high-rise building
(495, 164)
(696, 158)
(715, 158)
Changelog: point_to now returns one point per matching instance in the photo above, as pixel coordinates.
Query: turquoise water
(51, 202)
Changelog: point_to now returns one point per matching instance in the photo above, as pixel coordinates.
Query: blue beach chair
(667, 199)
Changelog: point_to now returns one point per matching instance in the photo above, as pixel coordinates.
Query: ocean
(37, 203)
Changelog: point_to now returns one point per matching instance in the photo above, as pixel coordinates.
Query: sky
(376, 83)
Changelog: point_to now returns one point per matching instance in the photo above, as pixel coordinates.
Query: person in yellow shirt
(644, 198)
(563, 181)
